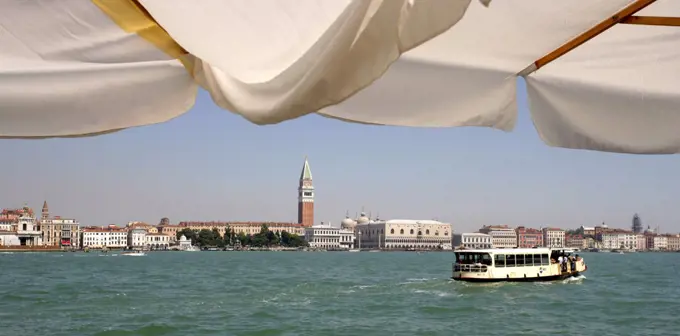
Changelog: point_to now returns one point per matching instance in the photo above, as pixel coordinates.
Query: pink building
(528, 237)
(641, 242)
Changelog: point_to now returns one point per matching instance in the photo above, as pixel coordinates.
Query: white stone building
(18, 227)
(101, 237)
(473, 240)
(136, 237)
(28, 231)
(325, 236)
(502, 236)
(157, 241)
(657, 242)
(554, 237)
(619, 239)
(404, 234)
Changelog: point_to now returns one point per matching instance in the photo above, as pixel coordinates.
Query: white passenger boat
(134, 254)
(515, 264)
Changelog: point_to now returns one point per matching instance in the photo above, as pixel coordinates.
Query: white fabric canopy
(618, 92)
(74, 67)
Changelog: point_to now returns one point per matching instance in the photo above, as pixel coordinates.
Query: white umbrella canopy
(75, 69)
(617, 92)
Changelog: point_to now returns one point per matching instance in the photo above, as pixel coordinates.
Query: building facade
(157, 241)
(18, 227)
(501, 235)
(325, 236)
(656, 242)
(673, 242)
(137, 238)
(576, 241)
(472, 240)
(306, 196)
(404, 234)
(528, 237)
(619, 239)
(640, 242)
(104, 237)
(553, 237)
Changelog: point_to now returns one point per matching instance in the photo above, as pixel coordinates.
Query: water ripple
(234, 293)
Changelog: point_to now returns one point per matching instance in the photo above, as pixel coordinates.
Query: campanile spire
(306, 196)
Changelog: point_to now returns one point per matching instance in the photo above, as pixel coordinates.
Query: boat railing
(469, 268)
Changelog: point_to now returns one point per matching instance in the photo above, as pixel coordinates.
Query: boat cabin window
(473, 258)
(521, 260)
(499, 260)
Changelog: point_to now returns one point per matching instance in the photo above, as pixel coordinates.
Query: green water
(294, 293)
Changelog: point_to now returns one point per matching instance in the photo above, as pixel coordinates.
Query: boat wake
(578, 278)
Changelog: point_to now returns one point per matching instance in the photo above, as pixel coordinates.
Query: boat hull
(528, 279)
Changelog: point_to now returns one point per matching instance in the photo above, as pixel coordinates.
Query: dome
(348, 223)
(363, 219)
(182, 238)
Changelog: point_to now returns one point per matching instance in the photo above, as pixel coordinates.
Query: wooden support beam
(652, 21)
(587, 35)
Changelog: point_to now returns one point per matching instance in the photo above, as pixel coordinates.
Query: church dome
(348, 223)
(363, 219)
(182, 238)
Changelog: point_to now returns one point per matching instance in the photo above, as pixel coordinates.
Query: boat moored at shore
(516, 265)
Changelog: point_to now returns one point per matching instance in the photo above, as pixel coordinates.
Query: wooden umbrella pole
(587, 35)
(652, 21)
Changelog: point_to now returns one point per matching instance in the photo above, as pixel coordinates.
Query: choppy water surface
(289, 293)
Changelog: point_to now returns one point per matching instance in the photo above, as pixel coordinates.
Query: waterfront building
(326, 236)
(157, 241)
(528, 237)
(619, 239)
(58, 231)
(110, 236)
(171, 230)
(137, 237)
(575, 241)
(640, 242)
(501, 235)
(590, 242)
(472, 240)
(588, 230)
(18, 227)
(184, 243)
(306, 196)
(553, 237)
(673, 242)
(404, 234)
(656, 242)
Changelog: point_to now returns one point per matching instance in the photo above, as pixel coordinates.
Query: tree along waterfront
(265, 238)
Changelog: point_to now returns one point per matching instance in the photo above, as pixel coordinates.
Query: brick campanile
(306, 196)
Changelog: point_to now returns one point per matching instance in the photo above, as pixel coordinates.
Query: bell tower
(306, 196)
(45, 214)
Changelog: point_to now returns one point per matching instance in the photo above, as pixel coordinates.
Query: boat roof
(512, 250)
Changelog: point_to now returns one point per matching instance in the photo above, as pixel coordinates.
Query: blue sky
(210, 164)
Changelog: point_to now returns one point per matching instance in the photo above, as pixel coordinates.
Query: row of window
(520, 260)
(420, 233)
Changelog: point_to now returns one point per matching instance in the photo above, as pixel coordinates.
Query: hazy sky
(210, 164)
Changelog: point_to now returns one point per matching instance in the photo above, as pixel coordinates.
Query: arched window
(446, 233)
(401, 231)
(411, 231)
(427, 232)
(420, 233)
(436, 233)
(392, 231)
